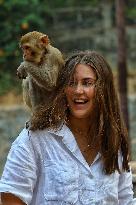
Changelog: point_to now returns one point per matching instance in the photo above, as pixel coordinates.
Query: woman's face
(80, 91)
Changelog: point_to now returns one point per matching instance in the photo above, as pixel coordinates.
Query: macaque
(40, 69)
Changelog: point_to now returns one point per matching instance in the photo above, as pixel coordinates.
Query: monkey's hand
(21, 71)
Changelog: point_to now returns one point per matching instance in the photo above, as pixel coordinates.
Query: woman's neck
(82, 125)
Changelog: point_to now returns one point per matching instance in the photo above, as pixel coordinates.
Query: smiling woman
(75, 151)
(81, 91)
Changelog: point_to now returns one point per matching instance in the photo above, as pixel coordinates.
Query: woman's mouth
(80, 101)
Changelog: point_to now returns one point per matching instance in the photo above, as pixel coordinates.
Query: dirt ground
(11, 99)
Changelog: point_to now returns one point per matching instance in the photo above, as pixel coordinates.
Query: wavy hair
(108, 124)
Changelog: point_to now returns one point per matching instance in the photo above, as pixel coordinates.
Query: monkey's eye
(26, 47)
(33, 53)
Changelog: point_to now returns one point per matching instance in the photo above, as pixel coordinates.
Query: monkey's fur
(39, 70)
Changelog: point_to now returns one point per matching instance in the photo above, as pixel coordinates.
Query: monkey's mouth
(26, 57)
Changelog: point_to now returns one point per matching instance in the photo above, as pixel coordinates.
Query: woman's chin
(80, 115)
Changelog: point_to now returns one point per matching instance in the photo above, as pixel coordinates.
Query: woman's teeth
(80, 101)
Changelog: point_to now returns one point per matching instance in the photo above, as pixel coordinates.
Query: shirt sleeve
(19, 175)
(125, 193)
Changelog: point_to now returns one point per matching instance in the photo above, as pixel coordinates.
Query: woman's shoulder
(27, 137)
(38, 137)
(22, 138)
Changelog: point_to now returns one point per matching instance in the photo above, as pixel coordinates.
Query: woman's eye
(71, 83)
(88, 83)
(84, 83)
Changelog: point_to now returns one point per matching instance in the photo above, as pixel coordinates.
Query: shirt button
(90, 176)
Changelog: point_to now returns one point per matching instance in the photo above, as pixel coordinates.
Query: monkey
(39, 70)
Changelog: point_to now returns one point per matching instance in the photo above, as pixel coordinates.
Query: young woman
(76, 151)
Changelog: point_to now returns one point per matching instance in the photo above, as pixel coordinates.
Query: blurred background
(71, 25)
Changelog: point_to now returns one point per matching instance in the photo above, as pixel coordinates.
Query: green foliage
(5, 82)
(131, 15)
(9, 83)
(131, 12)
(71, 3)
(17, 17)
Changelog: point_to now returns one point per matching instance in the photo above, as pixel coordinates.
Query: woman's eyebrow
(89, 78)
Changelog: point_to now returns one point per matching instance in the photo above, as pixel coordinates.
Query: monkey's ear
(44, 40)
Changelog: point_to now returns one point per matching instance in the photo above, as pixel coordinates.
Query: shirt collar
(60, 131)
(67, 136)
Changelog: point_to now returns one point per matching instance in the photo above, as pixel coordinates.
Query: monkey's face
(32, 53)
(34, 45)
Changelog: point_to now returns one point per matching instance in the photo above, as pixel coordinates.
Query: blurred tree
(122, 58)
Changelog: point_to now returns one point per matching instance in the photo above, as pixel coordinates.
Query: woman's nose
(79, 88)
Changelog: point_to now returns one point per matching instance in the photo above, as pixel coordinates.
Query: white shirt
(47, 168)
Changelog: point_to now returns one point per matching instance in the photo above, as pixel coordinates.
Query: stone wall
(92, 28)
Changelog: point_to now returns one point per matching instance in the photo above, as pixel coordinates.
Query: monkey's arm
(45, 75)
(38, 74)
(21, 71)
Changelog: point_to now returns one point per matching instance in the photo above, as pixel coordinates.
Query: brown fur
(40, 69)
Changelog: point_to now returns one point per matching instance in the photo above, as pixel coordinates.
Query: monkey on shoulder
(40, 69)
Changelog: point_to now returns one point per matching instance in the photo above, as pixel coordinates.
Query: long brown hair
(109, 126)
